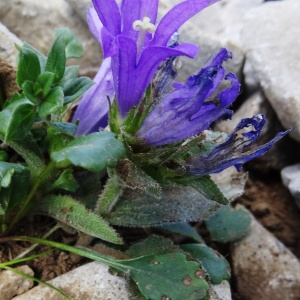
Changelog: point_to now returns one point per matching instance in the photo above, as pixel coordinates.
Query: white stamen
(144, 25)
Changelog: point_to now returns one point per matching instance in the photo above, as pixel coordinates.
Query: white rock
(291, 179)
(264, 268)
(201, 30)
(251, 79)
(8, 51)
(220, 291)
(248, 109)
(88, 282)
(35, 21)
(230, 182)
(271, 40)
(8, 58)
(221, 20)
(12, 284)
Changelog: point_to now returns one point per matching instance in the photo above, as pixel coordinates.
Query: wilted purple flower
(190, 109)
(136, 45)
(187, 111)
(231, 152)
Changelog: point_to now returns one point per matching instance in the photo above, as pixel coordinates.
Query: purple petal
(104, 37)
(94, 23)
(183, 113)
(132, 79)
(172, 119)
(213, 110)
(109, 14)
(93, 107)
(176, 17)
(230, 153)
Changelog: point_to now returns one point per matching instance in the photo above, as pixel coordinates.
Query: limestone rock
(8, 57)
(221, 20)
(271, 40)
(37, 21)
(91, 281)
(264, 268)
(12, 284)
(220, 291)
(8, 51)
(291, 179)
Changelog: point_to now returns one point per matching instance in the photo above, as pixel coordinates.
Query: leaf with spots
(167, 276)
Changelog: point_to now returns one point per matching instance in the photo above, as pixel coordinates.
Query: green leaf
(77, 88)
(184, 229)
(58, 138)
(168, 276)
(146, 203)
(113, 116)
(42, 58)
(67, 210)
(45, 81)
(109, 196)
(214, 263)
(73, 46)
(28, 66)
(56, 61)
(153, 245)
(53, 103)
(14, 184)
(71, 74)
(66, 127)
(16, 119)
(228, 224)
(93, 152)
(28, 90)
(65, 181)
(205, 186)
(158, 277)
(3, 155)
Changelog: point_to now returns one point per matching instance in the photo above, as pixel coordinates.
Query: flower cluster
(134, 46)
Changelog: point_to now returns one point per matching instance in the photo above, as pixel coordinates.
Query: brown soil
(48, 266)
(274, 207)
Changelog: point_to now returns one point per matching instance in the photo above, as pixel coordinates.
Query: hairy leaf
(69, 211)
(176, 204)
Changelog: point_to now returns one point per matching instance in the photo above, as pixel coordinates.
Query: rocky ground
(264, 38)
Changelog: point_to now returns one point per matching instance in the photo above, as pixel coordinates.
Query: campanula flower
(191, 109)
(187, 110)
(137, 45)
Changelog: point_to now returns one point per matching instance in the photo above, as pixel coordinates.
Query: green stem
(32, 247)
(40, 180)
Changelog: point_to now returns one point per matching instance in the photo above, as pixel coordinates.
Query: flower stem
(40, 180)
